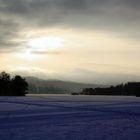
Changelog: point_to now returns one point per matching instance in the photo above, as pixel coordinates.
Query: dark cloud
(122, 16)
(8, 31)
(84, 11)
(14, 6)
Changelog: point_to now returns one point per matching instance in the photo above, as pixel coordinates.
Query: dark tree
(19, 86)
(12, 87)
(129, 89)
(5, 84)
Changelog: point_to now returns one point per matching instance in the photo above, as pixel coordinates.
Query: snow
(66, 117)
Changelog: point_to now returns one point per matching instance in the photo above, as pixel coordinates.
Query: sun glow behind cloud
(25, 55)
(38, 47)
(45, 43)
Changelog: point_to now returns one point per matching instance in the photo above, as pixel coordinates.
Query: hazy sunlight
(45, 43)
(27, 55)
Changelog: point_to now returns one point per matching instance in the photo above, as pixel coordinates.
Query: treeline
(129, 89)
(16, 86)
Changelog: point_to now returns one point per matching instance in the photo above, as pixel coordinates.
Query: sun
(39, 45)
(45, 43)
(27, 55)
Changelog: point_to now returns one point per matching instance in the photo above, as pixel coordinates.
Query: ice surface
(70, 118)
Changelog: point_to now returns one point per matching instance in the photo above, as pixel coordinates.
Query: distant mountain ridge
(40, 86)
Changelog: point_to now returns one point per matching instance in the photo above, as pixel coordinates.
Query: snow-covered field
(69, 118)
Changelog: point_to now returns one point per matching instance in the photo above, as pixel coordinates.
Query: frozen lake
(66, 117)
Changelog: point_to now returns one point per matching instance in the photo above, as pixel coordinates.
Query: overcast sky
(94, 41)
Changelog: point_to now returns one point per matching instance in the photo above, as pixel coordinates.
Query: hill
(37, 86)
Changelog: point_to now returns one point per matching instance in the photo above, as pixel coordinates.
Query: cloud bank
(119, 16)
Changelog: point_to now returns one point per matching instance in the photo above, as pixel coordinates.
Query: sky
(92, 41)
